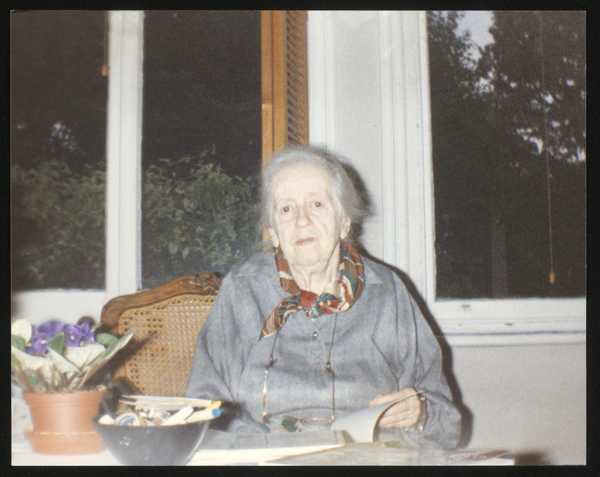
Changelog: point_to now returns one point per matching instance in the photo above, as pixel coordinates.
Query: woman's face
(306, 222)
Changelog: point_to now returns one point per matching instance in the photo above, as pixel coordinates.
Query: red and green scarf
(351, 281)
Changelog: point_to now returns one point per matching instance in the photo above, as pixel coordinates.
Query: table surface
(332, 454)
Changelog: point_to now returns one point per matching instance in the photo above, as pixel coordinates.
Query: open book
(359, 426)
(223, 448)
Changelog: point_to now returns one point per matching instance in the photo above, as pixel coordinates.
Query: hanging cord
(552, 274)
(104, 67)
(329, 368)
(269, 365)
(292, 423)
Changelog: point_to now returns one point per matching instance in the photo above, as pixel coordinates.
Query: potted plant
(54, 364)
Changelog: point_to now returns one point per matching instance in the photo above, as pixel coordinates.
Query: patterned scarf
(351, 281)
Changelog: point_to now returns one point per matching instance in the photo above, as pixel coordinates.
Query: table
(331, 454)
(220, 448)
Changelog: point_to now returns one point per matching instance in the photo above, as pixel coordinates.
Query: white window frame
(123, 185)
(488, 321)
(407, 219)
(124, 153)
(410, 231)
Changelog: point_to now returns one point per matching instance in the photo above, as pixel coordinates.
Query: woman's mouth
(304, 241)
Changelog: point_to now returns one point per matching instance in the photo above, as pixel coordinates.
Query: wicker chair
(165, 321)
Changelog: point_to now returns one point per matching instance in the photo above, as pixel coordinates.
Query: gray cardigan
(380, 345)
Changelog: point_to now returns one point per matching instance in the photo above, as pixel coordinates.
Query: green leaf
(103, 358)
(38, 380)
(114, 347)
(18, 375)
(18, 342)
(32, 379)
(61, 363)
(106, 339)
(28, 379)
(57, 343)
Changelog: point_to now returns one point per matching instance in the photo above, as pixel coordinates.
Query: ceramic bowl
(152, 445)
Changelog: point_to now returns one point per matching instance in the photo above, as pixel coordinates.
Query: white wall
(68, 305)
(369, 102)
(528, 398)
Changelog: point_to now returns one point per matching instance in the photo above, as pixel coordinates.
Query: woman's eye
(285, 209)
(318, 203)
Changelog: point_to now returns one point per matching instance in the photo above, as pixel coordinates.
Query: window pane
(58, 134)
(508, 118)
(201, 141)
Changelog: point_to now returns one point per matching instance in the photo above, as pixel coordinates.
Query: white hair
(346, 198)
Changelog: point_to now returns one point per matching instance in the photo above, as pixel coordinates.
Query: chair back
(165, 321)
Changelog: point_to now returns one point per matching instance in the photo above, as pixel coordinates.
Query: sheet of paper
(216, 439)
(166, 402)
(252, 456)
(360, 425)
(383, 454)
(228, 448)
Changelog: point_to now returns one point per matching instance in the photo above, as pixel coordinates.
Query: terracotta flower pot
(62, 422)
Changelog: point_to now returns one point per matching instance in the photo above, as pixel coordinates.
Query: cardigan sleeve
(442, 427)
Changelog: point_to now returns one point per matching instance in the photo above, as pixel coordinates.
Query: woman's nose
(302, 217)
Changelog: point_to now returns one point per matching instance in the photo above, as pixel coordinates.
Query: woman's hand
(409, 412)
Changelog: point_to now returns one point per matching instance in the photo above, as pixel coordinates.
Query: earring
(345, 231)
(274, 238)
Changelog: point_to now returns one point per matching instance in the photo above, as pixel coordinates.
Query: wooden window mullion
(284, 80)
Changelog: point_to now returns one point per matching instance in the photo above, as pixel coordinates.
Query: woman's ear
(273, 236)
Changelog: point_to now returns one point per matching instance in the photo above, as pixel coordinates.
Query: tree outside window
(209, 77)
(508, 125)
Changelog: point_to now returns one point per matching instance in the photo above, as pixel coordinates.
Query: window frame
(123, 269)
(463, 322)
(404, 229)
(124, 153)
(487, 321)
(122, 234)
(284, 80)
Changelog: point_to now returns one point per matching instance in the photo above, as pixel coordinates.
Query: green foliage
(57, 343)
(55, 372)
(106, 339)
(57, 219)
(195, 217)
(538, 70)
(17, 342)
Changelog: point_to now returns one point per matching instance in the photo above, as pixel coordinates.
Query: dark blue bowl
(152, 445)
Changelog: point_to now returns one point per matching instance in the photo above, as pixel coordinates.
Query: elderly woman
(313, 330)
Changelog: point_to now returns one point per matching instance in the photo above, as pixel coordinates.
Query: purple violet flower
(50, 328)
(39, 344)
(87, 334)
(72, 335)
